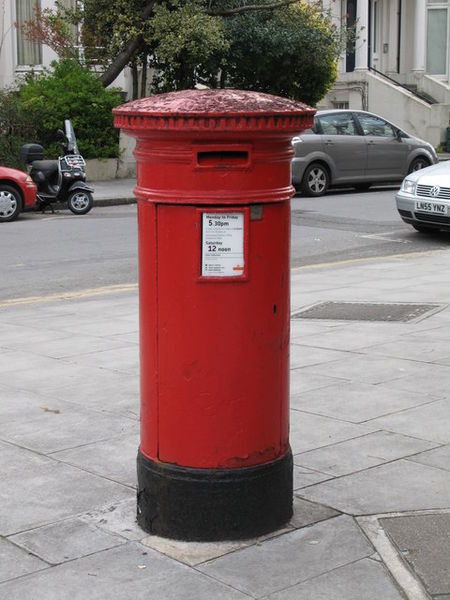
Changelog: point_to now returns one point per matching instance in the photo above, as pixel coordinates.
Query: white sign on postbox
(222, 244)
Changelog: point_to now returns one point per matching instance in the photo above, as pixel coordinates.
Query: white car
(423, 200)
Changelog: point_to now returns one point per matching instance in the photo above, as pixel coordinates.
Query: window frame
(435, 6)
(24, 67)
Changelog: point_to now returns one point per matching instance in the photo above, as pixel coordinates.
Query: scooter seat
(48, 167)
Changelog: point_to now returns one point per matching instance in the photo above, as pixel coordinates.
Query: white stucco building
(399, 65)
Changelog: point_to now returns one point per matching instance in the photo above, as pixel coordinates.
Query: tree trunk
(124, 57)
(144, 76)
(120, 62)
(135, 77)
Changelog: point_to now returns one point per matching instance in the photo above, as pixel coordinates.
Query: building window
(437, 41)
(376, 17)
(340, 104)
(28, 53)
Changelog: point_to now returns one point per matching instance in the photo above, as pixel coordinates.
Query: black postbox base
(213, 504)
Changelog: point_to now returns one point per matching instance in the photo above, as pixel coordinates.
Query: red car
(17, 193)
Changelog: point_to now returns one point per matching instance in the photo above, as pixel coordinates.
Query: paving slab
(17, 337)
(116, 393)
(345, 338)
(309, 431)
(15, 561)
(365, 579)
(398, 486)
(123, 359)
(62, 374)
(114, 458)
(294, 557)
(439, 457)
(304, 477)
(118, 518)
(66, 540)
(21, 405)
(67, 346)
(301, 382)
(373, 369)
(428, 422)
(430, 350)
(357, 402)
(430, 380)
(58, 426)
(307, 513)
(13, 361)
(197, 553)
(303, 356)
(99, 326)
(127, 572)
(361, 453)
(37, 490)
(434, 333)
(424, 543)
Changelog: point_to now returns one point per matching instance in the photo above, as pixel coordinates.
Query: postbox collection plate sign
(223, 249)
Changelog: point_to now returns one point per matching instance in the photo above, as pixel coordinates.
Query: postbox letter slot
(223, 158)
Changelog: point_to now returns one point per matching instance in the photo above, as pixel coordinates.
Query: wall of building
(10, 72)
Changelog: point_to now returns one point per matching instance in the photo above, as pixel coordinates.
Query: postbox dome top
(223, 109)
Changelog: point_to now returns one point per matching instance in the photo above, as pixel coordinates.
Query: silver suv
(357, 148)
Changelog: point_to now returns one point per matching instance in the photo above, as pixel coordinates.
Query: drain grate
(367, 311)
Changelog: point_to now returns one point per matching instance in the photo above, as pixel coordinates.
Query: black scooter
(61, 180)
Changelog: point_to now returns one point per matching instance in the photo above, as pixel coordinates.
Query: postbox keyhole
(223, 159)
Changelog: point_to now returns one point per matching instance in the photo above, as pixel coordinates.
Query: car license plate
(431, 207)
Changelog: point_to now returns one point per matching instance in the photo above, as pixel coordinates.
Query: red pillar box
(213, 189)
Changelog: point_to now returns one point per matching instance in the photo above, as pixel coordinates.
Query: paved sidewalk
(113, 192)
(370, 434)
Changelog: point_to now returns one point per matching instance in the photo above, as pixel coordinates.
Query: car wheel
(418, 163)
(80, 202)
(10, 203)
(362, 186)
(315, 180)
(423, 228)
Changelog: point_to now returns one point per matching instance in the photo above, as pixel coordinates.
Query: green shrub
(71, 91)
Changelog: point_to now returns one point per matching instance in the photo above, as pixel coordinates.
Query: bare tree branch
(226, 12)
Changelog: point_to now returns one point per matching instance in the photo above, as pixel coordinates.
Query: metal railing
(419, 95)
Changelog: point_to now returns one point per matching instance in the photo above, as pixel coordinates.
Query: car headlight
(28, 179)
(408, 186)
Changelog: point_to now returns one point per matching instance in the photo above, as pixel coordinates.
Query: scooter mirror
(61, 136)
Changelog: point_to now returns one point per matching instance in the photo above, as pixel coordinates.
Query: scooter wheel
(80, 202)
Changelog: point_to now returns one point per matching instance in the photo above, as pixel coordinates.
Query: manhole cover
(424, 543)
(365, 311)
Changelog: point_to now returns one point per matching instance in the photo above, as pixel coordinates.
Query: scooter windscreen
(71, 139)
